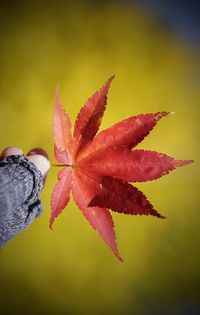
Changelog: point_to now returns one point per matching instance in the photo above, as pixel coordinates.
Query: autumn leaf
(97, 168)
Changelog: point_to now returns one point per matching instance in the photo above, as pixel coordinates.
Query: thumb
(40, 158)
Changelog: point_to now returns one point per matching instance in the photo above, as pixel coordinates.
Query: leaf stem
(60, 165)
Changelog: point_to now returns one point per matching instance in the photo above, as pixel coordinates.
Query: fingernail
(41, 162)
(39, 151)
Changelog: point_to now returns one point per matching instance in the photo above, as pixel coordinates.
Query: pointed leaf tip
(51, 224)
(170, 113)
(110, 79)
(180, 163)
(58, 88)
(159, 115)
(120, 258)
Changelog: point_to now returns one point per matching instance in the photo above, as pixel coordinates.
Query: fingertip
(11, 151)
(37, 151)
(41, 162)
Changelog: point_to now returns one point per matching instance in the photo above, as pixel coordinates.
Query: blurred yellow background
(71, 270)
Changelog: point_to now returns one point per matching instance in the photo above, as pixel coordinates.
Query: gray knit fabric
(20, 186)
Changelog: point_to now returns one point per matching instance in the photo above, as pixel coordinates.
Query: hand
(37, 156)
(17, 212)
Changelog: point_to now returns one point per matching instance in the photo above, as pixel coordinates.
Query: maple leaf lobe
(131, 166)
(89, 117)
(61, 193)
(125, 134)
(61, 125)
(84, 189)
(120, 196)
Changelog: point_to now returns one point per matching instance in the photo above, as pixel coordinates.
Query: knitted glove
(20, 186)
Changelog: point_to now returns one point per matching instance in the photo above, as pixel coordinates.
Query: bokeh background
(153, 48)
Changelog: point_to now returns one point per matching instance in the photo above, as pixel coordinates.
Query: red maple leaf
(97, 168)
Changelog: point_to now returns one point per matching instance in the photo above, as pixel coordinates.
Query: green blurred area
(71, 270)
